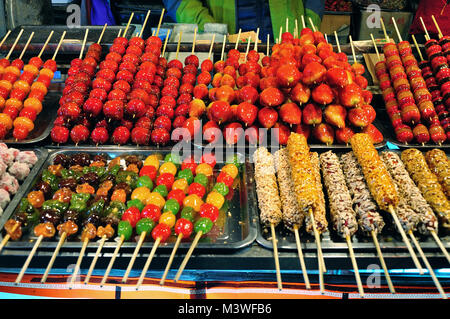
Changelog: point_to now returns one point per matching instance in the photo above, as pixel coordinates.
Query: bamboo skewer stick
(211, 46)
(52, 260)
(188, 255)
(165, 43)
(248, 47)
(437, 26)
(5, 37)
(145, 23)
(441, 246)
(427, 36)
(27, 262)
(101, 34)
(79, 260)
(296, 29)
(287, 24)
(405, 240)
(178, 45)
(147, 263)
(160, 21)
(59, 45)
(427, 264)
(355, 266)
(312, 24)
(193, 42)
(133, 257)
(301, 258)
(14, 45)
(281, 33)
(223, 47)
(128, 25)
(26, 45)
(303, 22)
(375, 46)
(384, 31)
(320, 260)
(417, 47)
(120, 33)
(337, 42)
(237, 40)
(353, 49)
(275, 255)
(94, 260)
(172, 256)
(396, 30)
(111, 262)
(84, 43)
(268, 45)
(256, 40)
(382, 262)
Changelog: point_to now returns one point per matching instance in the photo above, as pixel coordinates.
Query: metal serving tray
(42, 125)
(389, 239)
(41, 154)
(234, 229)
(390, 135)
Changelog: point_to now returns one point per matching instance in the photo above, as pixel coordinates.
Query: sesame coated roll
(409, 191)
(369, 219)
(427, 183)
(377, 177)
(438, 163)
(340, 201)
(266, 187)
(291, 214)
(302, 173)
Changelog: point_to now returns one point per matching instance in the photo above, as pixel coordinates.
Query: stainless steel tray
(41, 154)
(331, 243)
(234, 229)
(390, 135)
(42, 124)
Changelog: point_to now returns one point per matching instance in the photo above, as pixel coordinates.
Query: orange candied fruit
(6, 84)
(46, 72)
(15, 103)
(39, 86)
(31, 68)
(24, 121)
(33, 103)
(2, 103)
(5, 119)
(12, 69)
(22, 85)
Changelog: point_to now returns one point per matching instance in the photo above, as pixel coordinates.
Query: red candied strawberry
(172, 81)
(107, 74)
(175, 64)
(163, 122)
(168, 100)
(169, 90)
(140, 136)
(113, 109)
(160, 136)
(121, 135)
(233, 132)
(145, 75)
(141, 95)
(271, 97)
(204, 78)
(186, 88)
(374, 133)
(117, 94)
(184, 98)
(193, 127)
(200, 91)
(211, 131)
(128, 124)
(404, 133)
(79, 133)
(182, 110)
(59, 134)
(122, 85)
(190, 69)
(165, 110)
(178, 121)
(125, 75)
(282, 133)
(188, 78)
(343, 135)
(3, 131)
(135, 108)
(150, 113)
(144, 122)
(142, 84)
(99, 135)
(207, 66)
(192, 60)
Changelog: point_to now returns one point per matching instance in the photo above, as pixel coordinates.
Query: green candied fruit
(124, 229)
(145, 225)
(203, 224)
(221, 188)
(162, 190)
(144, 181)
(135, 203)
(187, 175)
(173, 158)
(201, 179)
(172, 206)
(188, 213)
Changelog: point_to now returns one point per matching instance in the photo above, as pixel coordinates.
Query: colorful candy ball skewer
(208, 211)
